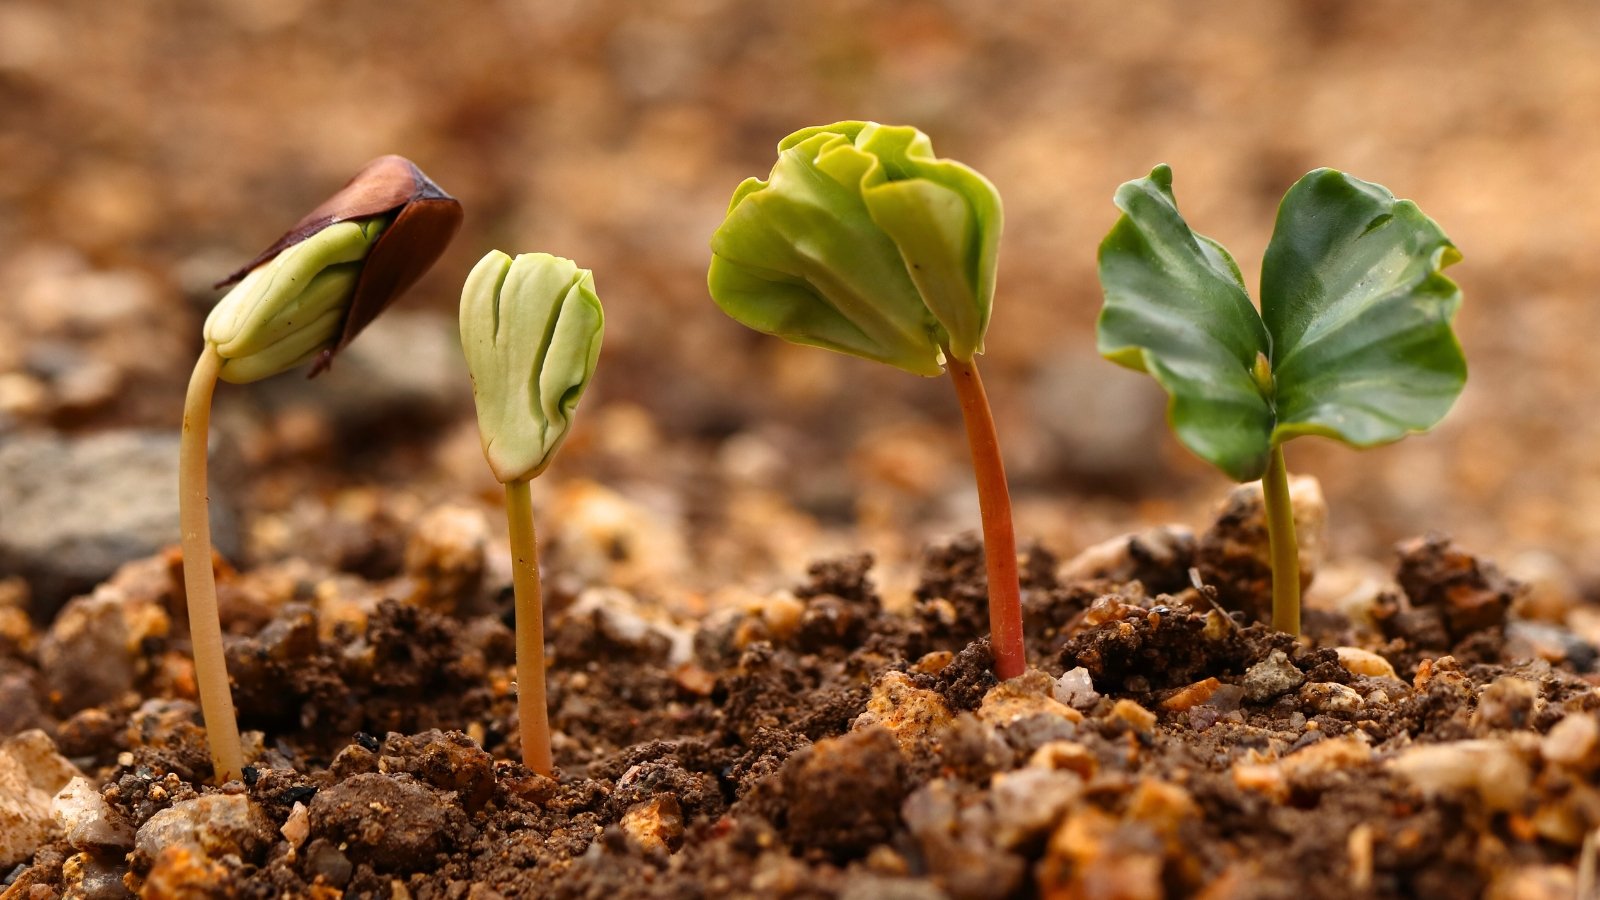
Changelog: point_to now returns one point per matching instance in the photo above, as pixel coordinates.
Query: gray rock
(73, 509)
(31, 772)
(89, 877)
(1076, 689)
(94, 650)
(1329, 697)
(1272, 677)
(1098, 426)
(88, 822)
(406, 365)
(212, 826)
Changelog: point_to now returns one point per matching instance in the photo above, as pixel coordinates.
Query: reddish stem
(999, 535)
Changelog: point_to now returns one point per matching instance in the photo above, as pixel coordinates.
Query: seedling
(1353, 339)
(303, 299)
(531, 330)
(863, 242)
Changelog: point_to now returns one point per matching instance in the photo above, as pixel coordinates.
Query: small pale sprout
(292, 307)
(864, 242)
(308, 294)
(302, 298)
(531, 330)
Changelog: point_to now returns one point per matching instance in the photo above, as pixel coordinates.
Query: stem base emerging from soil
(533, 713)
(1284, 549)
(199, 579)
(999, 534)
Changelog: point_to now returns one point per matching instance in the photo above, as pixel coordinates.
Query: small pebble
(1508, 702)
(1364, 662)
(1191, 696)
(31, 772)
(1028, 802)
(1066, 756)
(915, 716)
(1029, 694)
(654, 827)
(1573, 742)
(1330, 697)
(1138, 718)
(297, 827)
(444, 557)
(1494, 770)
(1272, 677)
(88, 822)
(209, 827)
(1076, 689)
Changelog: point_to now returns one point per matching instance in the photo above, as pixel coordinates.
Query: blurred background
(147, 149)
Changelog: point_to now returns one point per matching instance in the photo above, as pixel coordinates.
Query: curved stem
(199, 580)
(1285, 551)
(999, 535)
(533, 712)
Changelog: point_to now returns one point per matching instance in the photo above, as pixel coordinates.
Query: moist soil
(817, 744)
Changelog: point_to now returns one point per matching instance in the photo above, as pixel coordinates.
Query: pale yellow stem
(1284, 550)
(199, 581)
(532, 710)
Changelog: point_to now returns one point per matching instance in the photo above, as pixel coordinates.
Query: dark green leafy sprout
(1353, 340)
(864, 242)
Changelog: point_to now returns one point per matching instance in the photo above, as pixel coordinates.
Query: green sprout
(863, 242)
(531, 330)
(1353, 340)
(303, 299)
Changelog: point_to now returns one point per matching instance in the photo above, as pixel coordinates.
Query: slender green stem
(199, 580)
(532, 709)
(1285, 551)
(999, 534)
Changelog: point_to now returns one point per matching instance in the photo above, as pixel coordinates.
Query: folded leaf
(531, 329)
(863, 242)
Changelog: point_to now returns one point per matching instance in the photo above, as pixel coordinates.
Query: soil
(817, 744)
(721, 731)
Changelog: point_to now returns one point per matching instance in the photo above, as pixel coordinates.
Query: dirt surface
(726, 725)
(815, 744)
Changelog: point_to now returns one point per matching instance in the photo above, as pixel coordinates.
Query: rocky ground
(1434, 737)
(723, 729)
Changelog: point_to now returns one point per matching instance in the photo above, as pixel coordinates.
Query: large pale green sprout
(291, 308)
(864, 242)
(531, 330)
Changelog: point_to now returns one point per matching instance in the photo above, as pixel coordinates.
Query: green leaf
(1354, 337)
(863, 242)
(1359, 312)
(1176, 307)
